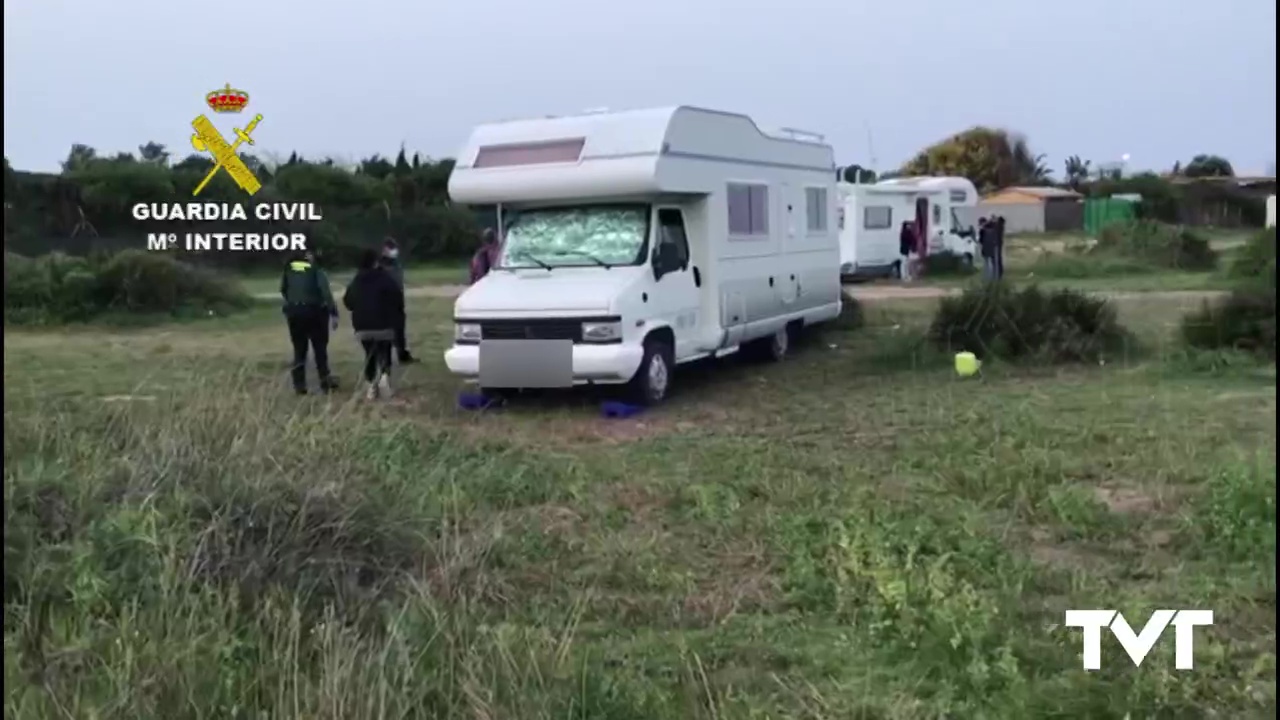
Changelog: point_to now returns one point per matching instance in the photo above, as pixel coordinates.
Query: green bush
(1244, 320)
(994, 320)
(947, 263)
(59, 288)
(1161, 245)
(1257, 259)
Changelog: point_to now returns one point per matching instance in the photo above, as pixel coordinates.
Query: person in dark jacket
(376, 303)
(310, 313)
(906, 246)
(999, 246)
(391, 264)
(987, 246)
(487, 256)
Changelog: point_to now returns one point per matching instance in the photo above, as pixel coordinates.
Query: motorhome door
(676, 295)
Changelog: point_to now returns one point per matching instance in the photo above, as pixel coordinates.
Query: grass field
(417, 275)
(853, 533)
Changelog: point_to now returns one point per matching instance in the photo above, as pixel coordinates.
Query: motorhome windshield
(587, 235)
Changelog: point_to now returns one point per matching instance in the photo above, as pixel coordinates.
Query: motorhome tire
(652, 380)
(773, 348)
(897, 270)
(968, 260)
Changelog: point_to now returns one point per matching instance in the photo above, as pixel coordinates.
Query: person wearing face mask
(391, 263)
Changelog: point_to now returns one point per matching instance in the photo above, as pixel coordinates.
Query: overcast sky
(1161, 80)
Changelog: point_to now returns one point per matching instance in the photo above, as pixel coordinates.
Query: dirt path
(907, 292)
(861, 292)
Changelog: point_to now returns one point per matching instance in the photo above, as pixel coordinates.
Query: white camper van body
(587, 205)
(872, 217)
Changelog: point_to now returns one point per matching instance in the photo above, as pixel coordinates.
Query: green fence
(1100, 212)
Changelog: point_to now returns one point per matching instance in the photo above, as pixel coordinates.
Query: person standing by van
(486, 256)
(1000, 247)
(390, 262)
(310, 313)
(906, 247)
(987, 245)
(376, 303)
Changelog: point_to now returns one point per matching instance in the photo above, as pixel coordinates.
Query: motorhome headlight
(464, 332)
(601, 332)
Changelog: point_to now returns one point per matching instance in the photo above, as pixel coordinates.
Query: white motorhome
(636, 241)
(871, 219)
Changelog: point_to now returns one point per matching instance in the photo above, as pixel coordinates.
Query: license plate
(526, 363)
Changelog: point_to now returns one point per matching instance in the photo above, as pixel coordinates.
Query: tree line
(87, 206)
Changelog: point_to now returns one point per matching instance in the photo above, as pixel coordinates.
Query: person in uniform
(310, 313)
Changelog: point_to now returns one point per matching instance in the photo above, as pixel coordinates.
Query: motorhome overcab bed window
(576, 236)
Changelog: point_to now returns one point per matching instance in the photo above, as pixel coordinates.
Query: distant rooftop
(1042, 192)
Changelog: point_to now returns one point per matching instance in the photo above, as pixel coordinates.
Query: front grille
(556, 329)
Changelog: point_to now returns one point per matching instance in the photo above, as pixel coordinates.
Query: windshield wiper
(527, 256)
(590, 257)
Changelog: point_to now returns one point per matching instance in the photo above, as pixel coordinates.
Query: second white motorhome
(872, 215)
(636, 241)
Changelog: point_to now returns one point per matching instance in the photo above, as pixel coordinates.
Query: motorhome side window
(877, 217)
(748, 210)
(937, 215)
(671, 232)
(959, 196)
(815, 204)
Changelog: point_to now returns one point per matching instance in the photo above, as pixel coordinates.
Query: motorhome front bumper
(605, 364)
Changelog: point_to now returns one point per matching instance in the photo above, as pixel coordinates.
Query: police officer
(311, 313)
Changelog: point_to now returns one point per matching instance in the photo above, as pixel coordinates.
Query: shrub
(1162, 245)
(59, 288)
(1244, 320)
(947, 263)
(1257, 259)
(995, 320)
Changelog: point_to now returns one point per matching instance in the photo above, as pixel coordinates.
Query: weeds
(1165, 246)
(58, 288)
(830, 537)
(995, 320)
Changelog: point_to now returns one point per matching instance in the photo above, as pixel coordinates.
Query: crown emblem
(227, 99)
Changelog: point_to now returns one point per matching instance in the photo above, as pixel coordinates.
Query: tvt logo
(1137, 645)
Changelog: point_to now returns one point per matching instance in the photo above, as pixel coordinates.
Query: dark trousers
(1000, 261)
(402, 345)
(309, 327)
(377, 358)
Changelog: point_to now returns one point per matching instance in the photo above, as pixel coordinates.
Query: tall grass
(220, 554)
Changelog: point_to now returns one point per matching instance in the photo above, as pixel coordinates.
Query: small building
(1036, 209)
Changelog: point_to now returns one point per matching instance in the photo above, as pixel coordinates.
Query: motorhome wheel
(653, 378)
(968, 260)
(780, 344)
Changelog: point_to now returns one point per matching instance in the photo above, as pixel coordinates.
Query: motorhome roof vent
(798, 134)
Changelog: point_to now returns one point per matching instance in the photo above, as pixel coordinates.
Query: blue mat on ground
(477, 401)
(618, 410)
